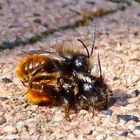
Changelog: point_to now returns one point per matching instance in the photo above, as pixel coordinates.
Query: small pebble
(33, 129)
(7, 45)
(112, 100)
(80, 137)
(3, 98)
(20, 125)
(130, 125)
(18, 40)
(45, 137)
(12, 137)
(129, 117)
(138, 14)
(107, 112)
(101, 136)
(115, 78)
(122, 102)
(58, 116)
(71, 136)
(2, 120)
(125, 134)
(10, 129)
(36, 14)
(131, 106)
(137, 127)
(135, 93)
(137, 130)
(45, 25)
(133, 100)
(87, 129)
(6, 80)
(38, 21)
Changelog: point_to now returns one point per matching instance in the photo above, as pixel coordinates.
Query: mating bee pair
(64, 78)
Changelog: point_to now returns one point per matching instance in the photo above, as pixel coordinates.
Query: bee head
(80, 63)
(77, 63)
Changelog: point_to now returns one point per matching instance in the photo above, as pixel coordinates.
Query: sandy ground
(45, 24)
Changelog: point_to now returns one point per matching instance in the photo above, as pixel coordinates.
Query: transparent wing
(49, 54)
(32, 52)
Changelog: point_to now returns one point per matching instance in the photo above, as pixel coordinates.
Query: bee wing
(96, 66)
(32, 52)
(49, 54)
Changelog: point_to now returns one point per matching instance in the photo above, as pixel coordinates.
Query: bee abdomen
(31, 65)
(38, 98)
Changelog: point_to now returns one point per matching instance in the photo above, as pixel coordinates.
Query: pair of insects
(64, 78)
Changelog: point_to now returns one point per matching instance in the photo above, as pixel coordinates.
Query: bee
(85, 91)
(32, 66)
(64, 77)
(38, 73)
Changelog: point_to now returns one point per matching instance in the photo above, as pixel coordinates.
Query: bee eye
(88, 89)
(80, 64)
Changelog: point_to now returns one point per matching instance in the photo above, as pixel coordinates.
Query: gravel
(2, 120)
(127, 118)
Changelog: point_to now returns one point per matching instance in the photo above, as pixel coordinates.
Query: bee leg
(30, 84)
(67, 117)
(24, 83)
(75, 105)
(84, 99)
(91, 110)
(88, 103)
(67, 108)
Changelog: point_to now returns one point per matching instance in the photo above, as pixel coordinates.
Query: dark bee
(63, 77)
(86, 91)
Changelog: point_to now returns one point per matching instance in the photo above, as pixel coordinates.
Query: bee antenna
(84, 47)
(94, 38)
(99, 63)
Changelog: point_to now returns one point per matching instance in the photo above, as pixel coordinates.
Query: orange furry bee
(35, 71)
(64, 77)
